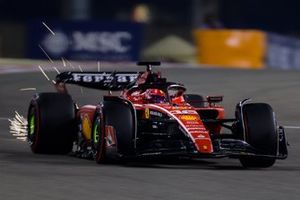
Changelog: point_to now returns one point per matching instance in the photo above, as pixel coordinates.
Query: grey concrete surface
(24, 175)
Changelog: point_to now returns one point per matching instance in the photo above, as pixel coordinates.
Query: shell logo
(147, 113)
(86, 127)
(188, 117)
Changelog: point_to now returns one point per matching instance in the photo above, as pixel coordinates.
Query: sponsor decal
(86, 127)
(155, 113)
(192, 123)
(56, 45)
(104, 77)
(188, 117)
(181, 108)
(200, 136)
(184, 112)
(195, 128)
(147, 113)
(173, 108)
(197, 131)
(103, 42)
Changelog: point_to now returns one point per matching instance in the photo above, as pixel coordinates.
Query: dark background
(276, 15)
(167, 17)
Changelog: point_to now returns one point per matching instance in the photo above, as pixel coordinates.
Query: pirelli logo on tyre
(188, 117)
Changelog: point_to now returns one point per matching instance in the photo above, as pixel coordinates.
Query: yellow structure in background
(231, 48)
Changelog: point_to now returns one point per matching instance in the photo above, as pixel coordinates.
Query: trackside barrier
(84, 40)
(248, 49)
(231, 48)
(283, 52)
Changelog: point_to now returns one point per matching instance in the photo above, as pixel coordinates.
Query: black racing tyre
(98, 138)
(120, 116)
(257, 162)
(260, 133)
(51, 123)
(195, 100)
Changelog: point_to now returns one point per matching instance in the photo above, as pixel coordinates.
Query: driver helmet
(155, 96)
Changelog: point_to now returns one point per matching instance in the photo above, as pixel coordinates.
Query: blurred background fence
(245, 34)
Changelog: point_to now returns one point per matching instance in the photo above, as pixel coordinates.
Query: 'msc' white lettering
(101, 41)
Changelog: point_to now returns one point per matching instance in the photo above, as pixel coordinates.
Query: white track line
(292, 127)
(27, 89)
(3, 118)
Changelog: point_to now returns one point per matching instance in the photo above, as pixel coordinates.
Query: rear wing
(113, 81)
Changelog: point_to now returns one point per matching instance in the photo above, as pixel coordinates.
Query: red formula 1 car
(151, 117)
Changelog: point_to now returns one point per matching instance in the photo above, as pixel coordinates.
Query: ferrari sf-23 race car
(150, 117)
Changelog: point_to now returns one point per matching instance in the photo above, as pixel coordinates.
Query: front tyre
(257, 162)
(261, 133)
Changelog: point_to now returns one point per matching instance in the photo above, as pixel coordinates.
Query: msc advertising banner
(85, 40)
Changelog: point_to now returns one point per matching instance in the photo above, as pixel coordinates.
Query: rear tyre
(194, 100)
(98, 139)
(51, 123)
(261, 133)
